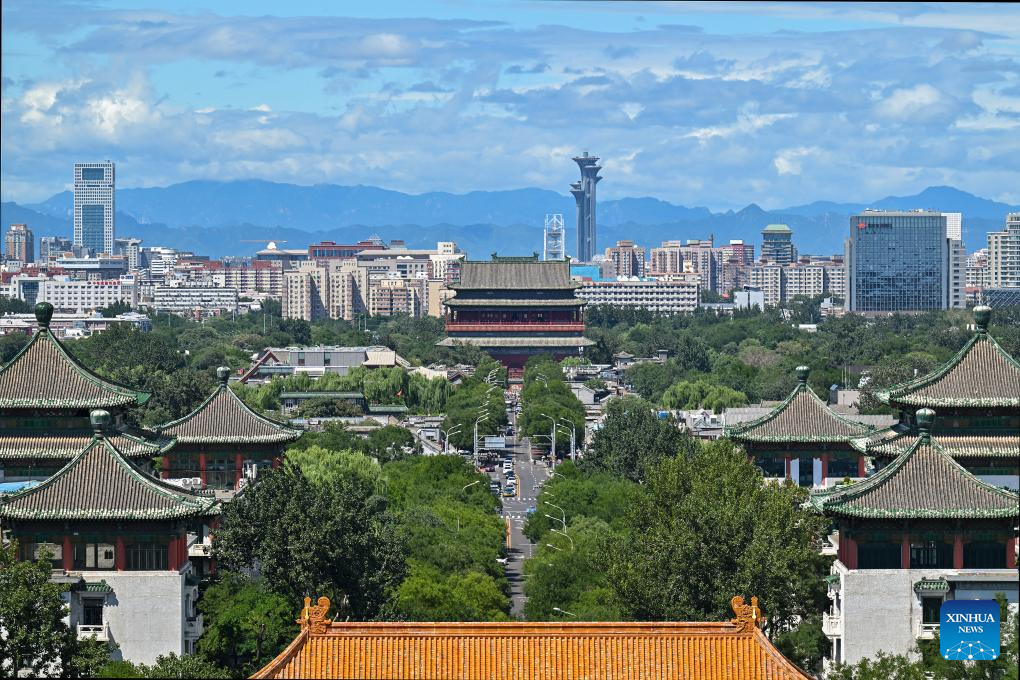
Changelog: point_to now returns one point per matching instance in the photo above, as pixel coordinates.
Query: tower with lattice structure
(555, 247)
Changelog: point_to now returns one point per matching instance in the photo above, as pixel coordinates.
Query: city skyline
(769, 104)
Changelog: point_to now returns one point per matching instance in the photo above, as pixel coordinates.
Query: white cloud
(906, 103)
(789, 161)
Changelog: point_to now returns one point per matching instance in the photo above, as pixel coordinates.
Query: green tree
(31, 616)
(708, 527)
(335, 539)
(246, 624)
(323, 466)
(431, 595)
(600, 496)
(632, 439)
(166, 666)
(328, 407)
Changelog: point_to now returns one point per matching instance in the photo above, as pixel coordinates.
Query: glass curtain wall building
(94, 189)
(898, 262)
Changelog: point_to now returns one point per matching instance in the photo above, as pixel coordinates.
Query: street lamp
(562, 512)
(573, 437)
(480, 419)
(553, 437)
(555, 519)
(467, 486)
(550, 545)
(452, 430)
(564, 533)
(563, 611)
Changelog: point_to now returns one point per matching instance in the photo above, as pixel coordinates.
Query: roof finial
(313, 617)
(802, 374)
(925, 418)
(100, 420)
(749, 616)
(43, 314)
(223, 374)
(982, 315)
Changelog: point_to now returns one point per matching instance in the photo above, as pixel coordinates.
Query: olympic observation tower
(584, 193)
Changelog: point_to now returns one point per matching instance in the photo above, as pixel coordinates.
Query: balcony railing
(832, 625)
(511, 327)
(100, 632)
(193, 626)
(926, 631)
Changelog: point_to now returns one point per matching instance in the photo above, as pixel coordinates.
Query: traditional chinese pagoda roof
(735, 650)
(519, 273)
(457, 301)
(65, 447)
(45, 375)
(981, 374)
(101, 484)
(802, 417)
(894, 441)
(516, 341)
(224, 419)
(923, 483)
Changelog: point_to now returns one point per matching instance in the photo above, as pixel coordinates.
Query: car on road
(509, 491)
(531, 510)
(494, 487)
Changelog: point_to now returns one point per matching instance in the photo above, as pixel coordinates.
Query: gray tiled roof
(515, 275)
(224, 419)
(65, 447)
(458, 301)
(894, 441)
(99, 483)
(44, 375)
(803, 417)
(923, 483)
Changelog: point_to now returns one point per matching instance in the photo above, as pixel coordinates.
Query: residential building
(87, 268)
(769, 279)
(627, 259)
(699, 256)
(954, 226)
(781, 284)
(901, 261)
(515, 307)
(288, 258)
(777, 244)
(935, 522)
(221, 439)
(656, 295)
(194, 300)
(131, 250)
(74, 325)
(738, 251)
(666, 259)
(318, 360)
(67, 294)
(94, 206)
(260, 276)
(54, 247)
(119, 539)
(331, 250)
(19, 244)
(802, 439)
(977, 269)
(1004, 255)
(734, 649)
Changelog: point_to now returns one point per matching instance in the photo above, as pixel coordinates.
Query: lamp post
(478, 420)
(564, 611)
(572, 430)
(447, 433)
(552, 436)
(468, 486)
(565, 535)
(562, 521)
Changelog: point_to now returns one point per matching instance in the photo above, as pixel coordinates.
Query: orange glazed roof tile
(735, 650)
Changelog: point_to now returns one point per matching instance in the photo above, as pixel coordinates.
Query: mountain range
(224, 218)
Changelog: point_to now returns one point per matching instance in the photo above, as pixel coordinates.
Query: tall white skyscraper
(954, 226)
(94, 206)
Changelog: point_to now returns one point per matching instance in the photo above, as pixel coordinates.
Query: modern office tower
(627, 259)
(20, 245)
(554, 245)
(584, 193)
(1004, 254)
(777, 244)
(954, 225)
(899, 261)
(94, 206)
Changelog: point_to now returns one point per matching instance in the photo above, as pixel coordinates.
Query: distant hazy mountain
(215, 217)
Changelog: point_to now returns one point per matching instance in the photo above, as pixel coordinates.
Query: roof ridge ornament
(313, 617)
(982, 317)
(223, 374)
(925, 419)
(100, 420)
(748, 617)
(802, 374)
(44, 314)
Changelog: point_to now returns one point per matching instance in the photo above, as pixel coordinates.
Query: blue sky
(715, 104)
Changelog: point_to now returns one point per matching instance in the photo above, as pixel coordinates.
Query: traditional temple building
(119, 537)
(220, 437)
(45, 400)
(733, 650)
(802, 439)
(516, 307)
(977, 397)
(918, 532)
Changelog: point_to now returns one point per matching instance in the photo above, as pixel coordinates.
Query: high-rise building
(19, 244)
(699, 255)
(977, 269)
(777, 244)
(53, 247)
(954, 226)
(627, 259)
(1004, 254)
(94, 206)
(666, 259)
(901, 261)
(554, 243)
(584, 193)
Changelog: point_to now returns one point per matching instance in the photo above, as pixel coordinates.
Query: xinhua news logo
(969, 630)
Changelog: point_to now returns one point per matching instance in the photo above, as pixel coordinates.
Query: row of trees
(477, 402)
(547, 403)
